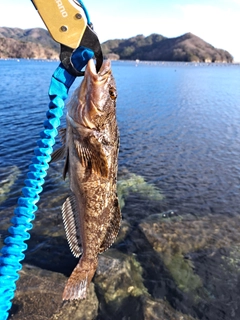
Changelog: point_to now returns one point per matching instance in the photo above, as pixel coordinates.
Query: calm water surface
(179, 127)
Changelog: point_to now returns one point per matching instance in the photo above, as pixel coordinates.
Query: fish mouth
(92, 95)
(97, 90)
(102, 74)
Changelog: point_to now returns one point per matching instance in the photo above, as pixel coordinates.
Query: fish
(90, 145)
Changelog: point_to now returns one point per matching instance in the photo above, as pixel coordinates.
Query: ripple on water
(180, 134)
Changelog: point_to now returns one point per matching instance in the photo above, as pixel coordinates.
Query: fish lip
(102, 73)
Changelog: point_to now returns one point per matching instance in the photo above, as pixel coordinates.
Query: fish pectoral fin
(113, 228)
(92, 156)
(66, 164)
(58, 154)
(63, 134)
(72, 225)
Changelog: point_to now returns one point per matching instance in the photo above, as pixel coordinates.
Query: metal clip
(67, 23)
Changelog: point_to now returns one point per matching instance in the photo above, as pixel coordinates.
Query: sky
(215, 21)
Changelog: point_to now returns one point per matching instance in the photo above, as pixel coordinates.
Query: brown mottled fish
(91, 213)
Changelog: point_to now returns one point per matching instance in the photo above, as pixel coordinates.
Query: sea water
(179, 136)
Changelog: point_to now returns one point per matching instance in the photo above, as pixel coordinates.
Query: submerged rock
(118, 292)
(231, 261)
(176, 238)
(160, 272)
(7, 179)
(119, 285)
(220, 274)
(154, 309)
(132, 183)
(122, 294)
(5, 223)
(123, 232)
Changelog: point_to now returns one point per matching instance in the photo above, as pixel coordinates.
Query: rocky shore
(36, 43)
(162, 266)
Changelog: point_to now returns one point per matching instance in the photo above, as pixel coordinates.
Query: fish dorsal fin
(72, 225)
(113, 228)
(92, 156)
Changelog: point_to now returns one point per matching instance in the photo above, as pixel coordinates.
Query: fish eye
(112, 93)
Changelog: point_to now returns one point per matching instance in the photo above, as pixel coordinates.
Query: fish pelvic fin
(113, 228)
(77, 284)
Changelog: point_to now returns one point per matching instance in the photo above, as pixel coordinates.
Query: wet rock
(122, 293)
(39, 297)
(38, 294)
(161, 309)
(119, 286)
(165, 239)
(176, 238)
(86, 309)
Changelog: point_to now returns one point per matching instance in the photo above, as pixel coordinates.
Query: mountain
(187, 47)
(30, 43)
(37, 43)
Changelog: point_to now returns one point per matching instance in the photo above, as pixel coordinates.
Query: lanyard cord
(12, 252)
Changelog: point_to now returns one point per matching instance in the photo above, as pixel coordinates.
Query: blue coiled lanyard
(12, 252)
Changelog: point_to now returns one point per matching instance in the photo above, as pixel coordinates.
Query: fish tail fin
(79, 280)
